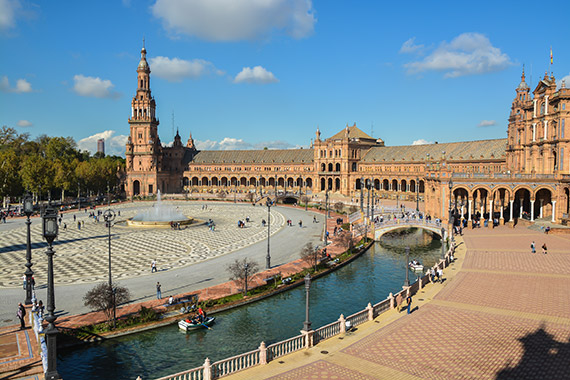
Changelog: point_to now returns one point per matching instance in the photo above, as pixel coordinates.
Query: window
(562, 129)
(563, 106)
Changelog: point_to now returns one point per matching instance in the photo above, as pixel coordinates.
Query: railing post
(370, 312)
(207, 370)
(391, 298)
(308, 335)
(421, 283)
(342, 322)
(262, 353)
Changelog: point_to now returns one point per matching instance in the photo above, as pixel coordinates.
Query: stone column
(553, 211)
(342, 322)
(521, 209)
(511, 210)
(462, 212)
(491, 212)
(541, 207)
(469, 209)
(532, 210)
(501, 206)
(262, 353)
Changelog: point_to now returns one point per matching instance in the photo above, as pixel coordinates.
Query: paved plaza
(501, 313)
(188, 259)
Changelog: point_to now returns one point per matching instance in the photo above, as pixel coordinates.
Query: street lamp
(49, 219)
(368, 186)
(28, 205)
(442, 243)
(451, 221)
(307, 323)
(78, 197)
(109, 216)
(417, 194)
(361, 194)
(268, 257)
(407, 282)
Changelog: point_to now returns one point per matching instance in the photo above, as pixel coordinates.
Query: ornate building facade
(525, 175)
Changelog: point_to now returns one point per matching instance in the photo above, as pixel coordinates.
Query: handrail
(235, 363)
(285, 347)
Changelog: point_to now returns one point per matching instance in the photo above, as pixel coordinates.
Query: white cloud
(114, 145)
(256, 75)
(487, 123)
(231, 20)
(175, 69)
(466, 54)
(230, 143)
(24, 123)
(422, 142)
(8, 10)
(22, 85)
(94, 87)
(409, 47)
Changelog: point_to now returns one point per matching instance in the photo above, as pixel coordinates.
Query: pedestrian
(314, 219)
(432, 274)
(440, 274)
(153, 266)
(158, 292)
(74, 218)
(21, 314)
(301, 223)
(33, 282)
(544, 249)
(64, 226)
(79, 226)
(532, 247)
(41, 309)
(24, 280)
(409, 300)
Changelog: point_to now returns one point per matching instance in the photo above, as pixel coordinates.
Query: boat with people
(193, 324)
(415, 266)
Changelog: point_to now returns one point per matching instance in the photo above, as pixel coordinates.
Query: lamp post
(245, 268)
(268, 257)
(50, 228)
(361, 194)
(368, 186)
(417, 194)
(326, 214)
(307, 323)
(407, 282)
(78, 197)
(28, 205)
(451, 221)
(109, 216)
(442, 243)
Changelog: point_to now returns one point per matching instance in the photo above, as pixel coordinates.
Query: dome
(143, 64)
(523, 86)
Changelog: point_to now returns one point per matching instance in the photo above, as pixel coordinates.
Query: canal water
(166, 350)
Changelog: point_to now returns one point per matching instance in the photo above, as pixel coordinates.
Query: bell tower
(143, 146)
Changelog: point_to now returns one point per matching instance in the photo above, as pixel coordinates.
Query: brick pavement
(19, 354)
(502, 313)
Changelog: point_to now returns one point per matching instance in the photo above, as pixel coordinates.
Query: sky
(250, 74)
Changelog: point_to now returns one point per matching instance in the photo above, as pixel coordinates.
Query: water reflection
(166, 350)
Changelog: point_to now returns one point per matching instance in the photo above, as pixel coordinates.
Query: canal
(166, 350)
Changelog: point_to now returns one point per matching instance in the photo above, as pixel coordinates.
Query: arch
(432, 227)
(337, 184)
(385, 185)
(272, 181)
(422, 186)
(358, 184)
(290, 182)
(543, 203)
(205, 181)
(185, 181)
(330, 184)
(243, 181)
(194, 181)
(233, 181)
(262, 182)
(330, 167)
(377, 184)
(413, 185)
(309, 183)
(136, 187)
(323, 167)
(521, 204)
(215, 181)
(403, 185)
(253, 181)
(354, 167)
(394, 185)
(224, 181)
(337, 167)
(281, 182)
(323, 184)
(480, 202)
(566, 204)
(299, 182)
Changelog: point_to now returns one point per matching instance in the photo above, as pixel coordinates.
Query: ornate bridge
(381, 228)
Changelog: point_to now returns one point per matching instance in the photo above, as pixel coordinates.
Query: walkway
(501, 313)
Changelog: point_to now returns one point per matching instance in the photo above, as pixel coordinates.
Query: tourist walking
(532, 247)
(432, 274)
(21, 314)
(158, 292)
(440, 274)
(544, 249)
(153, 266)
(409, 301)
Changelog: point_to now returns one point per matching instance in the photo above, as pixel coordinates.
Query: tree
(309, 255)
(10, 183)
(242, 271)
(339, 206)
(100, 298)
(37, 172)
(345, 240)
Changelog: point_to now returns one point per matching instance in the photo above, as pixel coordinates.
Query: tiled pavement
(19, 354)
(502, 313)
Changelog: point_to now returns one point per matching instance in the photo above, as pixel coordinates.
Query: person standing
(409, 301)
(440, 274)
(158, 292)
(432, 274)
(153, 266)
(21, 315)
(544, 249)
(532, 247)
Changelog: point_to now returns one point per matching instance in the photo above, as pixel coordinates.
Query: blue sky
(248, 74)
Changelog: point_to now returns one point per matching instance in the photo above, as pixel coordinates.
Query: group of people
(175, 225)
(211, 225)
(436, 275)
(533, 248)
(198, 318)
(37, 307)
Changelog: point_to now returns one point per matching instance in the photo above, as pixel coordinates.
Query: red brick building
(527, 174)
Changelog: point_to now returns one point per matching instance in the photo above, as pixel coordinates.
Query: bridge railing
(407, 222)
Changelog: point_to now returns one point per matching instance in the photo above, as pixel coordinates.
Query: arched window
(337, 167)
(354, 166)
(330, 167)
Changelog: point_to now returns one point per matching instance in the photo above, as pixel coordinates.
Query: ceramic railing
(285, 347)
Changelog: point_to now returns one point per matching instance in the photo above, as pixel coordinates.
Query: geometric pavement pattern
(437, 343)
(81, 255)
(322, 370)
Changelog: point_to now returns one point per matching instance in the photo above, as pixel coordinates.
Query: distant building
(101, 146)
(525, 175)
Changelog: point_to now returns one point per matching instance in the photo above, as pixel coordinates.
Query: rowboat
(416, 267)
(186, 325)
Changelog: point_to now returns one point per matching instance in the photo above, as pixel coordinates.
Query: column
(545, 129)
(491, 212)
(521, 210)
(462, 211)
(532, 210)
(511, 210)
(533, 131)
(534, 108)
(541, 207)
(546, 105)
(469, 209)
(553, 211)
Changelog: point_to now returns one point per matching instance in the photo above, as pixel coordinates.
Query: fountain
(159, 215)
